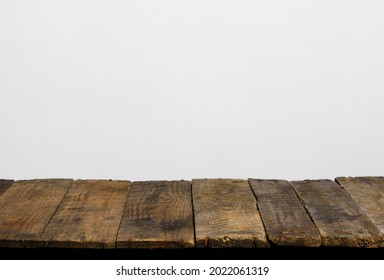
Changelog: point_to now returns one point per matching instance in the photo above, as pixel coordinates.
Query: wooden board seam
(193, 217)
(358, 205)
(340, 220)
(227, 215)
(306, 210)
(122, 214)
(337, 182)
(58, 206)
(366, 180)
(261, 218)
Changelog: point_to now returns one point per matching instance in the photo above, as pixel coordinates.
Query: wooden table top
(202, 213)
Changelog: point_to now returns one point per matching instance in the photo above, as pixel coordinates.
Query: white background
(166, 89)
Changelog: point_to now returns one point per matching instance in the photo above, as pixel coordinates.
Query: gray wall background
(166, 89)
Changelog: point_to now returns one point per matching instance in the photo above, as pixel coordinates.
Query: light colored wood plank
(158, 214)
(26, 208)
(4, 185)
(286, 221)
(368, 192)
(340, 221)
(226, 214)
(89, 215)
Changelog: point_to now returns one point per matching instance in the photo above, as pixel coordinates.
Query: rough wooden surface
(226, 214)
(368, 192)
(158, 214)
(26, 208)
(172, 214)
(340, 220)
(286, 221)
(89, 215)
(4, 185)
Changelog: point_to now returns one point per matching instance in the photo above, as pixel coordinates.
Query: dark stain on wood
(368, 192)
(4, 185)
(158, 214)
(340, 221)
(89, 216)
(285, 219)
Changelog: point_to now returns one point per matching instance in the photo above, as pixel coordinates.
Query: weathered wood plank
(26, 208)
(158, 214)
(340, 221)
(4, 185)
(368, 192)
(286, 221)
(89, 215)
(226, 214)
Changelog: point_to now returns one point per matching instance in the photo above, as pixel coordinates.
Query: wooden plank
(26, 208)
(226, 214)
(286, 221)
(340, 220)
(158, 214)
(368, 192)
(89, 216)
(4, 185)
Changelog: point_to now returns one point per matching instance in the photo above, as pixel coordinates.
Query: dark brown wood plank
(286, 221)
(368, 192)
(89, 215)
(158, 214)
(26, 208)
(340, 221)
(226, 214)
(4, 185)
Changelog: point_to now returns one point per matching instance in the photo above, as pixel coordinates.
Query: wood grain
(340, 221)
(286, 221)
(4, 185)
(89, 216)
(158, 214)
(368, 192)
(226, 214)
(26, 208)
